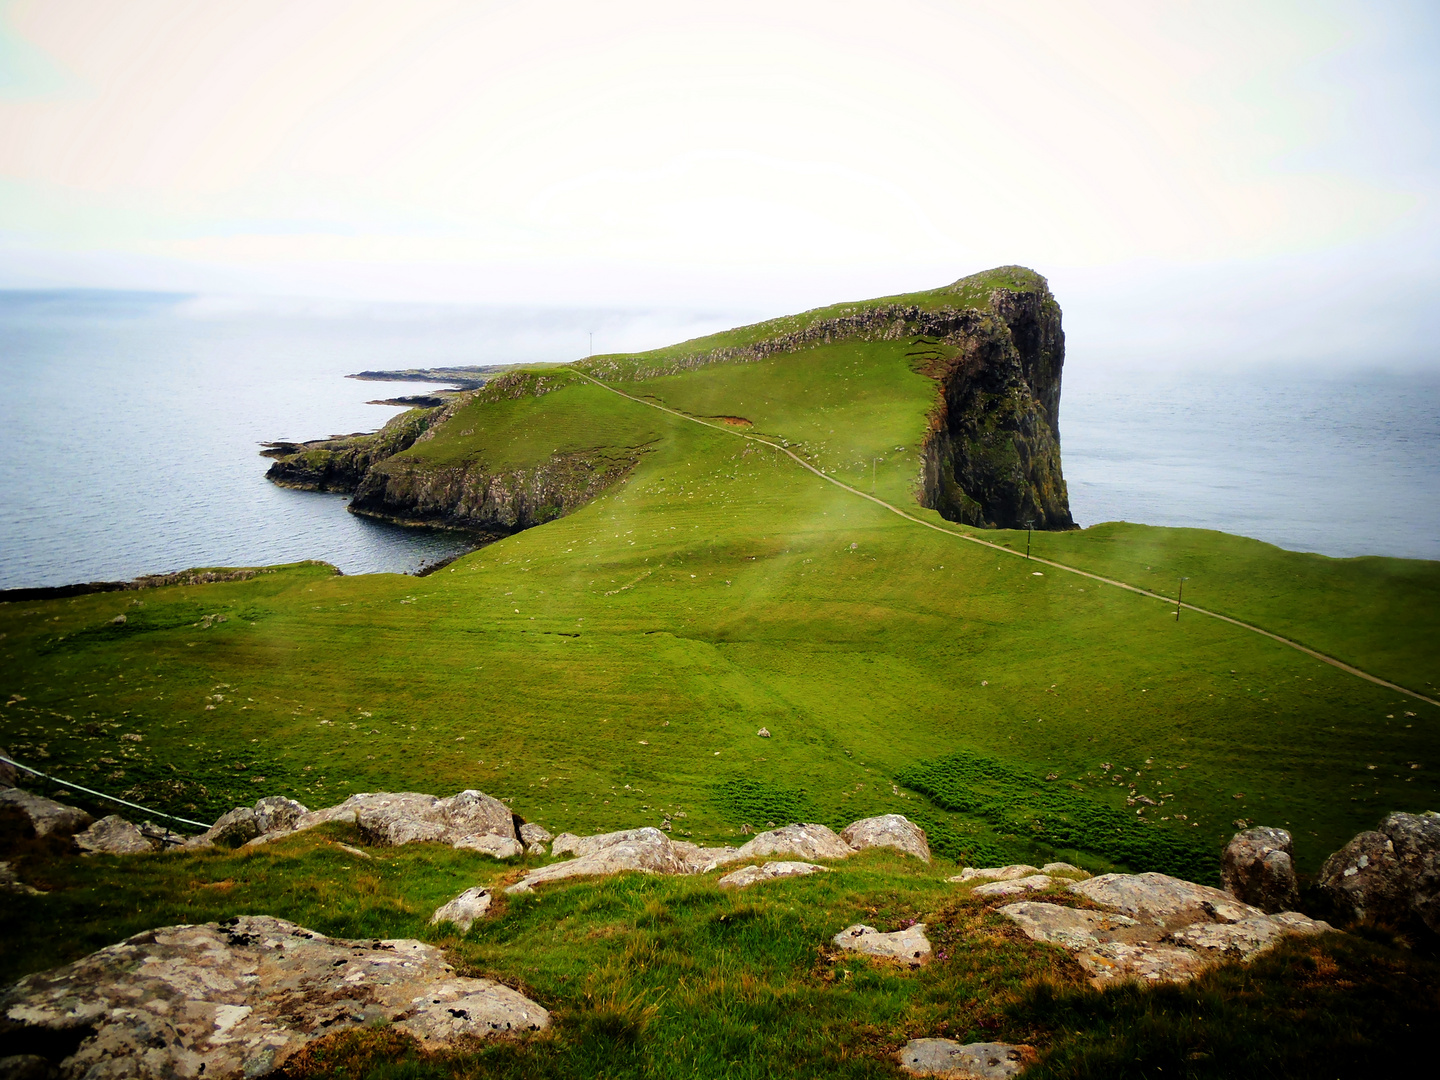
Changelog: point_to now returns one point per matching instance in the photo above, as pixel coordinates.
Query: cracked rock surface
(963, 1061)
(1391, 874)
(1157, 928)
(888, 830)
(751, 875)
(464, 909)
(239, 998)
(910, 946)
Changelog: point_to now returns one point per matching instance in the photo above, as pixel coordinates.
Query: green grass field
(611, 669)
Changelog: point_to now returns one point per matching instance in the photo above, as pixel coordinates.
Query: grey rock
(751, 875)
(230, 830)
(1390, 875)
(531, 833)
(389, 819)
(1072, 927)
(536, 849)
(8, 773)
(470, 905)
(646, 850)
(46, 815)
(1014, 886)
(701, 860)
(276, 813)
(994, 873)
(1115, 962)
(964, 1061)
(1064, 869)
(114, 835)
(796, 841)
(1115, 948)
(1164, 900)
(501, 847)
(888, 830)
(1257, 868)
(1248, 937)
(910, 946)
(236, 1000)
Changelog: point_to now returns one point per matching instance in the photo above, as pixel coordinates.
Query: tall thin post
(1180, 597)
(1028, 526)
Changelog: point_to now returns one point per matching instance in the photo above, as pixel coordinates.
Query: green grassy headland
(611, 669)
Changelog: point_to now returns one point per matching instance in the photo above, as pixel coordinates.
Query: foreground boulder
(647, 850)
(888, 830)
(1389, 875)
(114, 835)
(1257, 868)
(753, 875)
(1156, 928)
(964, 1061)
(909, 946)
(796, 842)
(470, 905)
(46, 815)
(239, 998)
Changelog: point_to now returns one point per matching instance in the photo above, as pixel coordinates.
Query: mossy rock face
(993, 455)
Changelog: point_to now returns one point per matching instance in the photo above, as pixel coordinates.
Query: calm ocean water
(133, 426)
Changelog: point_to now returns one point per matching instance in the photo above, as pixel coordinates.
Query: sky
(1209, 182)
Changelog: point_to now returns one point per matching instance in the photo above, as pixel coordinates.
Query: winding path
(1324, 658)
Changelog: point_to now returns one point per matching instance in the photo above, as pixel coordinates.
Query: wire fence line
(101, 794)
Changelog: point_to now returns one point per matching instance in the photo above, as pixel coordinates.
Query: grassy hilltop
(611, 667)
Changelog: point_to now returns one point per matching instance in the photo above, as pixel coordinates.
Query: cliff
(340, 464)
(992, 457)
(457, 466)
(994, 345)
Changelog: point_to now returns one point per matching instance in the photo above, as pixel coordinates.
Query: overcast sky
(1243, 181)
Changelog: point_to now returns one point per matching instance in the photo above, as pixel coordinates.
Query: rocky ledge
(238, 999)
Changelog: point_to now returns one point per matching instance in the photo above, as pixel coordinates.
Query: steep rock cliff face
(428, 487)
(992, 457)
(471, 496)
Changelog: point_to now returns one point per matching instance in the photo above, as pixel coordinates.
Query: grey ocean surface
(134, 424)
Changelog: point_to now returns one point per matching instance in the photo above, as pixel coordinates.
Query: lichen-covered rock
(647, 850)
(951, 1060)
(501, 847)
(797, 842)
(751, 875)
(531, 834)
(1072, 927)
(1244, 939)
(464, 909)
(390, 819)
(276, 813)
(46, 815)
(1113, 947)
(1163, 900)
(1257, 868)
(1014, 886)
(1063, 869)
(237, 999)
(994, 873)
(888, 830)
(1390, 875)
(230, 830)
(909, 946)
(114, 835)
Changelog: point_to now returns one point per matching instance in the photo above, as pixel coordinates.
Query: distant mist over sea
(134, 422)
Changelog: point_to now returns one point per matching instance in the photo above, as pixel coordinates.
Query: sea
(133, 425)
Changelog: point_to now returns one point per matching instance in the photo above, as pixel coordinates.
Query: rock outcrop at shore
(340, 464)
(240, 998)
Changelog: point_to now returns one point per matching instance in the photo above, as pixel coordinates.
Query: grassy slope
(717, 591)
(612, 668)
